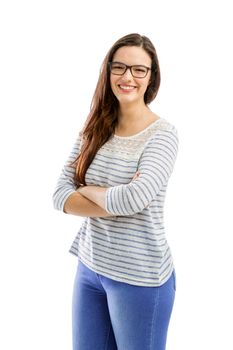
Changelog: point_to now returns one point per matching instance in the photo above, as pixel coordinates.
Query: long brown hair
(103, 116)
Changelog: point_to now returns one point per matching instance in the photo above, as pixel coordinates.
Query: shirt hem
(122, 279)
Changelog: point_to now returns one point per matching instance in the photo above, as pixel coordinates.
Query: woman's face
(126, 87)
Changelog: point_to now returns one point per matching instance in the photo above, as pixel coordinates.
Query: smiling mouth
(127, 88)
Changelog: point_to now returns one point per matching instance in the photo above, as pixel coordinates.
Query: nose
(127, 74)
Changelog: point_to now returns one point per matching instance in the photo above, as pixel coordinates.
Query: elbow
(63, 189)
(123, 212)
(60, 197)
(115, 212)
(55, 200)
(123, 203)
(135, 209)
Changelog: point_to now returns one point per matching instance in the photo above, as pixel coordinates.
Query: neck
(131, 114)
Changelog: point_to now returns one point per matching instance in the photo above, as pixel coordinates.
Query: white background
(51, 52)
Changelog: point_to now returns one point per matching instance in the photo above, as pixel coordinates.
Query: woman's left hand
(137, 174)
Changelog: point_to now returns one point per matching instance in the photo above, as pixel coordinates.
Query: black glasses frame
(130, 68)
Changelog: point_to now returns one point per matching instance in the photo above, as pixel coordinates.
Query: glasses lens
(117, 68)
(139, 71)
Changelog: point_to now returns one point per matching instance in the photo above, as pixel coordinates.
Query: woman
(116, 177)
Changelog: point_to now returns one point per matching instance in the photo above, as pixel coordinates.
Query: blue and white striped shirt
(129, 246)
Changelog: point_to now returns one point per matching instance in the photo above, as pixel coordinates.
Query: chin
(128, 99)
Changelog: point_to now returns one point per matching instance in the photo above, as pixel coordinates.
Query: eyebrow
(130, 64)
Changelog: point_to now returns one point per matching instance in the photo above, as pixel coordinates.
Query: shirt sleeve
(66, 183)
(155, 166)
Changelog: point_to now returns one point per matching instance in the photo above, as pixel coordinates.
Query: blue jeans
(111, 315)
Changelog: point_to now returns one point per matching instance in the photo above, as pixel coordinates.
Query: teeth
(126, 87)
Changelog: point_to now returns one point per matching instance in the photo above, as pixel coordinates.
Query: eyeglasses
(137, 71)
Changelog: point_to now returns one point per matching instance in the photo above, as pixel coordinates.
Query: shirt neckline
(139, 133)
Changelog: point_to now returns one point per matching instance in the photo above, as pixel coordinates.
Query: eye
(140, 69)
(117, 66)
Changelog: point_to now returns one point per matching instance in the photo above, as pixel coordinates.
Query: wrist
(81, 189)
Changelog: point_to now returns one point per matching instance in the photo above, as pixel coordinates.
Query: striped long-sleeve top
(130, 246)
